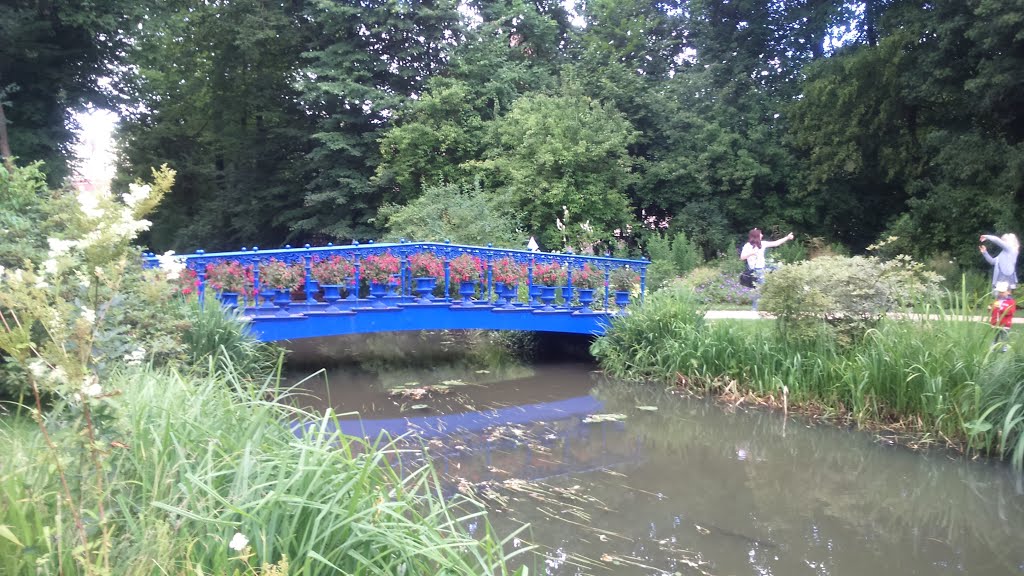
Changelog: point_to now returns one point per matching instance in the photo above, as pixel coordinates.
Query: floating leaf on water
(419, 407)
(647, 408)
(604, 418)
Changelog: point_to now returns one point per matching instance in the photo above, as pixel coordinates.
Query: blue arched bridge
(294, 293)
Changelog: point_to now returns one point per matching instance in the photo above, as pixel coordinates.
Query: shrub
(379, 268)
(229, 276)
(686, 255)
(426, 264)
(465, 268)
(588, 277)
(850, 295)
(623, 279)
(508, 271)
(278, 275)
(551, 274)
(331, 271)
(635, 345)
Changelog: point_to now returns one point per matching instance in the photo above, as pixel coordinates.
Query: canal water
(611, 478)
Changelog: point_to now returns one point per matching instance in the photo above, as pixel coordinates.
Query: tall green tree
(216, 101)
(918, 133)
(369, 59)
(437, 137)
(52, 58)
(553, 156)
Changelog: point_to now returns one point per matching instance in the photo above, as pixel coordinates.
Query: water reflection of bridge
(528, 442)
(406, 302)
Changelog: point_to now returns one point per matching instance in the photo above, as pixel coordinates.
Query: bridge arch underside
(316, 324)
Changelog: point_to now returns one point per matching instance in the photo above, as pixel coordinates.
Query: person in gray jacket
(1004, 265)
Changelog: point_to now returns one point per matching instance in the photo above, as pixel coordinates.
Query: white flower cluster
(115, 222)
(135, 357)
(171, 264)
(238, 542)
(136, 194)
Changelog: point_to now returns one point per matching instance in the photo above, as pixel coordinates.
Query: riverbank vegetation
(144, 433)
(938, 377)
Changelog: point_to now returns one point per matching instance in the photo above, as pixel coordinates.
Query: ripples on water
(690, 487)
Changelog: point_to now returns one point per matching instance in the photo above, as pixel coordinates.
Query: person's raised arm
(997, 241)
(988, 257)
(778, 242)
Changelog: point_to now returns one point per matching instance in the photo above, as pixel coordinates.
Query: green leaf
(6, 534)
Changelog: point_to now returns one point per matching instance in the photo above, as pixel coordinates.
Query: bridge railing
(498, 276)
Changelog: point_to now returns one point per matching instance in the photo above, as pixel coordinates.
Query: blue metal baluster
(201, 289)
(607, 276)
(355, 281)
(643, 281)
(403, 274)
(531, 299)
(310, 286)
(490, 272)
(447, 279)
(568, 283)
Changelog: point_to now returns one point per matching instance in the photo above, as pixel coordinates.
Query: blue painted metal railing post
(490, 275)
(447, 279)
(309, 287)
(568, 284)
(201, 276)
(607, 277)
(355, 280)
(531, 300)
(403, 273)
(643, 282)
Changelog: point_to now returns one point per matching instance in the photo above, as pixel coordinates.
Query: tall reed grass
(937, 373)
(196, 457)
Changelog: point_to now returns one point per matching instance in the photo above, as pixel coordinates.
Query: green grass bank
(192, 458)
(938, 378)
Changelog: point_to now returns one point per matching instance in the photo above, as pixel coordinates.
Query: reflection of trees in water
(468, 372)
(794, 472)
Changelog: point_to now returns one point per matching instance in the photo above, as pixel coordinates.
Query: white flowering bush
(67, 320)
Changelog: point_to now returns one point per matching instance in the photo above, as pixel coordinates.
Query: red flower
(466, 268)
(379, 268)
(508, 271)
(426, 264)
(331, 271)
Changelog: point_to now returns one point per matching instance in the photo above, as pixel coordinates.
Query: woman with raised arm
(753, 255)
(1004, 265)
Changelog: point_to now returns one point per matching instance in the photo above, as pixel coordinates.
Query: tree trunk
(5, 144)
(870, 15)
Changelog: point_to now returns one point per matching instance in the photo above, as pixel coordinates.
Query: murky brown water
(689, 488)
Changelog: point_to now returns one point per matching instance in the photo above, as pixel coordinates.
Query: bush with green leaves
(711, 286)
(670, 258)
(635, 344)
(849, 295)
(461, 213)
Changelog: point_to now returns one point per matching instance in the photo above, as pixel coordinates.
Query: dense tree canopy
(299, 120)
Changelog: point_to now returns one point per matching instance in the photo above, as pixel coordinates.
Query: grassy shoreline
(928, 378)
(195, 454)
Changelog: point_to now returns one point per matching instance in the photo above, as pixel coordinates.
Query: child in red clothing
(1002, 313)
